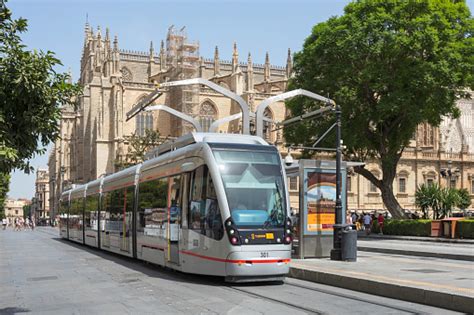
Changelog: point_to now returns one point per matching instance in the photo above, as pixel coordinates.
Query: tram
(210, 204)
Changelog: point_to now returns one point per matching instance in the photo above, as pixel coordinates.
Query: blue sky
(257, 26)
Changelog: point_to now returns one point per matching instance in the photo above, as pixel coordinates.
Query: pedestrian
(367, 223)
(381, 221)
(354, 218)
(349, 219)
(33, 224)
(361, 222)
(4, 223)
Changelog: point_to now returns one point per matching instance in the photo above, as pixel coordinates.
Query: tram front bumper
(265, 264)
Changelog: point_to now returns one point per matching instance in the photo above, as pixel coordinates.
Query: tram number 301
(264, 255)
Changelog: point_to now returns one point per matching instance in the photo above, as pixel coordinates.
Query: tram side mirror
(289, 160)
(188, 166)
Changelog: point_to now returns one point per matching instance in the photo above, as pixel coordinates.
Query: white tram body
(211, 204)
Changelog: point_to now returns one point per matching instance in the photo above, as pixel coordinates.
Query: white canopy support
(215, 125)
(150, 98)
(176, 113)
(243, 105)
(280, 97)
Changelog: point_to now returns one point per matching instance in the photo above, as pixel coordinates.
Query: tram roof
(199, 137)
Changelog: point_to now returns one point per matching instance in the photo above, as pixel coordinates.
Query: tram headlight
(232, 232)
(287, 239)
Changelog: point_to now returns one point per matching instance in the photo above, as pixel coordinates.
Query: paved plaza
(42, 274)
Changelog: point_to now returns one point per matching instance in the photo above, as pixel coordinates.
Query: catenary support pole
(337, 242)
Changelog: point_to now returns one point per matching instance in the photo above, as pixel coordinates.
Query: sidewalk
(361, 235)
(432, 281)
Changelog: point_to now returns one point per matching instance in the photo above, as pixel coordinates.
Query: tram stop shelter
(317, 204)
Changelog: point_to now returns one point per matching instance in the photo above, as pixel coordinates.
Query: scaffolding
(182, 56)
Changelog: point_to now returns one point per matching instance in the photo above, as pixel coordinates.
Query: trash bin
(436, 228)
(446, 229)
(349, 244)
(348, 234)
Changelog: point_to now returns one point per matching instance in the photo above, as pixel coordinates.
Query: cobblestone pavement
(42, 274)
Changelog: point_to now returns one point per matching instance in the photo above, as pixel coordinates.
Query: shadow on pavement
(158, 271)
(13, 310)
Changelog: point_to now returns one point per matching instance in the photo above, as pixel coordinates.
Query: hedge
(405, 227)
(464, 228)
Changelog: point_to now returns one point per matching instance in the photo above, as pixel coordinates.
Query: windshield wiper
(276, 208)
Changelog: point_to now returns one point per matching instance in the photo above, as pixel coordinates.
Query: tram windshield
(254, 187)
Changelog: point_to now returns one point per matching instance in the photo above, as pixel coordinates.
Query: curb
(417, 239)
(415, 253)
(411, 294)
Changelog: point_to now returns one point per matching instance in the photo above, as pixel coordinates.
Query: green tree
(4, 188)
(464, 199)
(427, 197)
(31, 93)
(391, 65)
(137, 148)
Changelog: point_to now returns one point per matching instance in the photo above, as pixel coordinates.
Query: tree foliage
(391, 65)
(31, 93)
(441, 201)
(137, 148)
(4, 186)
(464, 199)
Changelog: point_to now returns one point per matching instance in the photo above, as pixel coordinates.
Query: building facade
(14, 208)
(95, 134)
(41, 202)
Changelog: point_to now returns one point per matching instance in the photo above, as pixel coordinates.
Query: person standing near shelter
(367, 223)
(381, 221)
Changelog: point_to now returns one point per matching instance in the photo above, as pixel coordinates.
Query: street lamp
(448, 173)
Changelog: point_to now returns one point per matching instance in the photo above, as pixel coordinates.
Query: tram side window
(152, 214)
(91, 212)
(63, 210)
(204, 214)
(75, 213)
(118, 205)
(175, 199)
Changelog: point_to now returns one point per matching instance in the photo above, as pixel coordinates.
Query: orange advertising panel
(321, 202)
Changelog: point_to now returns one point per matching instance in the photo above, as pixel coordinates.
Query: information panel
(321, 201)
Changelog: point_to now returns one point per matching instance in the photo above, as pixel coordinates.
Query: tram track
(287, 304)
(352, 297)
(311, 310)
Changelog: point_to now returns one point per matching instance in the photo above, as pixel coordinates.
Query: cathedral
(95, 134)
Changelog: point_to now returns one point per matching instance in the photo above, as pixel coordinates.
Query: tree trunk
(386, 187)
(392, 204)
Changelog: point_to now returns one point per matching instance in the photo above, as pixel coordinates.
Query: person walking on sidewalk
(380, 221)
(367, 223)
(4, 223)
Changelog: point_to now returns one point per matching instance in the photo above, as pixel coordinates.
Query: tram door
(174, 217)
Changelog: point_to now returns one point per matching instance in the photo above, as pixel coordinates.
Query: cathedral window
(267, 126)
(207, 115)
(402, 182)
(143, 121)
(349, 183)
(472, 186)
(293, 183)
